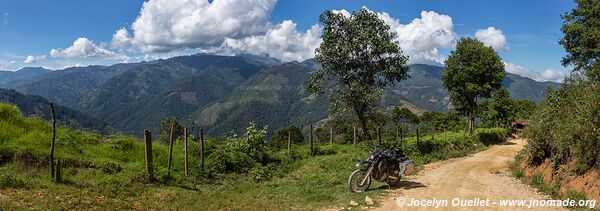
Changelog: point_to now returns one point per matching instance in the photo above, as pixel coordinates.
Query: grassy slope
(109, 173)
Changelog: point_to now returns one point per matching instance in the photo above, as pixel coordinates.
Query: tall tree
(473, 70)
(581, 28)
(358, 58)
(500, 111)
(165, 129)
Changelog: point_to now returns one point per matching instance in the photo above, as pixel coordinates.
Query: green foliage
(165, 130)
(581, 39)
(490, 136)
(566, 126)
(31, 105)
(280, 139)
(360, 56)
(538, 182)
(575, 195)
(404, 115)
(240, 154)
(8, 179)
(498, 112)
(524, 108)
(473, 71)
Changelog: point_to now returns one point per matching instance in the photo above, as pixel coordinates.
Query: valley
(222, 93)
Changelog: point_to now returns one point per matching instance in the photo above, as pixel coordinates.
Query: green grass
(109, 172)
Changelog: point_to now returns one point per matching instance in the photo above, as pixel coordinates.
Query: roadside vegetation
(241, 172)
(561, 157)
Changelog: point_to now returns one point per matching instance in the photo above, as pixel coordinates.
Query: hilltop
(220, 93)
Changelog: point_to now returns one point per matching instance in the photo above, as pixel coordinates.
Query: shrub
(240, 154)
(489, 136)
(280, 139)
(565, 126)
(8, 180)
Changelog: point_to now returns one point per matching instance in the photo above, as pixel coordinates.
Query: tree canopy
(581, 39)
(473, 71)
(358, 58)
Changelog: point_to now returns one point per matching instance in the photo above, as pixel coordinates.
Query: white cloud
(6, 64)
(422, 37)
(84, 48)
(122, 40)
(492, 37)
(33, 59)
(5, 20)
(283, 42)
(165, 25)
(546, 75)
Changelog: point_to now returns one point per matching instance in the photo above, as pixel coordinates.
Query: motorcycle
(384, 165)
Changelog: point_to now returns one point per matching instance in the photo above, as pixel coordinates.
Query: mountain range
(223, 93)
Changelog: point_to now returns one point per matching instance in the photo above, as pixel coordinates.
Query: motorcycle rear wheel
(354, 181)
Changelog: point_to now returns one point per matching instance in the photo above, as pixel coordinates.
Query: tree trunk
(363, 126)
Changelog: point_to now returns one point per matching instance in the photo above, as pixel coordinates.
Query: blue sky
(525, 33)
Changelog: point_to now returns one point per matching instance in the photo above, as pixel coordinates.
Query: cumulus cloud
(165, 25)
(82, 47)
(546, 75)
(122, 40)
(492, 37)
(422, 37)
(33, 59)
(283, 42)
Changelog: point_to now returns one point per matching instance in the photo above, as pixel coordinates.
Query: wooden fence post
(171, 137)
(331, 135)
(149, 164)
(185, 161)
(445, 140)
(417, 135)
(310, 140)
(401, 132)
(58, 177)
(353, 136)
(52, 173)
(379, 135)
(397, 132)
(433, 132)
(202, 148)
(289, 143)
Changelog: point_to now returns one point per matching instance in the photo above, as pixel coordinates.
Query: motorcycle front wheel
(356, 178)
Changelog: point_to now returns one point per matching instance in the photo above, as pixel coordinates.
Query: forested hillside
(36, 106)
(216, 92)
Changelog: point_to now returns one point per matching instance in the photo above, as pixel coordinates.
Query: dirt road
(479, 177)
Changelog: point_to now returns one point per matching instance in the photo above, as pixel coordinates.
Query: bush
(565, 126)
(229, 159)
(240, 154)
(280, 140)
(489, 136)
(8, 180)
